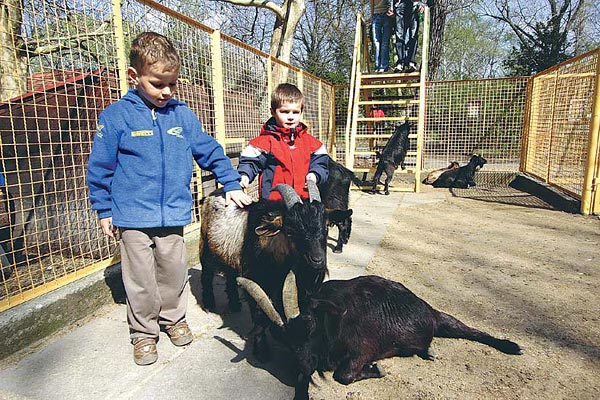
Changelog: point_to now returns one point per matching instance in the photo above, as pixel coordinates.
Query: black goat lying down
(263, 242)
(336, 196)
(436, 173)
(392, 156)
(463, 177)
(350, 324)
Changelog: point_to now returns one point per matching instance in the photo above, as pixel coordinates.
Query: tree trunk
(439, 13)
(13, 66)
(283, 35)
(284, 29)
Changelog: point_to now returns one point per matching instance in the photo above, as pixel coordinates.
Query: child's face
(155, 84)
(287, 115)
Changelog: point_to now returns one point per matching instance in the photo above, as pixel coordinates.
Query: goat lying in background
(392, 156)
(350, 324)
(463, 177)
(435, 174)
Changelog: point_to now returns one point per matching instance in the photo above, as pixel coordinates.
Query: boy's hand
(311, 177)
(107, 227)
(245, 182)
(240, 198)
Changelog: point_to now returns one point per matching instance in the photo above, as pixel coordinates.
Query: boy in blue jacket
(139, 175)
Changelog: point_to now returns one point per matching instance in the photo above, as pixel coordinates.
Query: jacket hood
(132, 96)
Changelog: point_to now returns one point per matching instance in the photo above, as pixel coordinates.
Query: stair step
(390, 102)
(365, 86)
(380, 119)
(390, 76)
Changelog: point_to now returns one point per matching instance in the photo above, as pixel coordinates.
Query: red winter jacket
(278, 155)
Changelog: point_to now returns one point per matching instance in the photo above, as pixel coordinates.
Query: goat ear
(336, 215)
(269, 227)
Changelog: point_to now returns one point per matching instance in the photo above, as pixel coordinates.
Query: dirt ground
(503, 262)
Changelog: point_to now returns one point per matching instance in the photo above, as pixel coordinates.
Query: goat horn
(313, 191)
(290, 297)
(289, 195)
(261, 299)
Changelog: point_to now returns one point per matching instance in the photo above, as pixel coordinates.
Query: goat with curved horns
(350, 324)
(263, 242)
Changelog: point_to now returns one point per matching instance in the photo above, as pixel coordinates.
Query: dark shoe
(144, 351)
(180, 333)
(398, 69)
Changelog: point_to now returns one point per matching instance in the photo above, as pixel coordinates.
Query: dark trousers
(407, 32)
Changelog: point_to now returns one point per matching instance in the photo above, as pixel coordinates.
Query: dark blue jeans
(407, 30)
(381, 32)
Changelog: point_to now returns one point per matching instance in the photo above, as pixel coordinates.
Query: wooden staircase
(401, 96)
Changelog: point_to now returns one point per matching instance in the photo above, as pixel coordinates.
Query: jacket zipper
(162, 178)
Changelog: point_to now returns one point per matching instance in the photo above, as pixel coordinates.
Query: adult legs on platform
(381, 33)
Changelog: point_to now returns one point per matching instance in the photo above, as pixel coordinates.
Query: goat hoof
(387, 192)
(379, 371)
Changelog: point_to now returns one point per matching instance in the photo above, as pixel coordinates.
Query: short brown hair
(149, 48)
(286, 93)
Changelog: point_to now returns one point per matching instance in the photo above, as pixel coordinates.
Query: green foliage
(473, 48)
(547, 48)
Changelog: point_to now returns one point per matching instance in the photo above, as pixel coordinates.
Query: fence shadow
(518, 190)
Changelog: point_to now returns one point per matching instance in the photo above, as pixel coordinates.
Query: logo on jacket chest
(142, 133)
(176, 131)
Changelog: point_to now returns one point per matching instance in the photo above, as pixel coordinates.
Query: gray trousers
(154, 271)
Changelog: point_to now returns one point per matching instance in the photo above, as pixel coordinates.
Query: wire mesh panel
(62, 66)
(562, 101)
(57, 75)
(341, 94)
(310, 89)
(477, 116)
(245, 91)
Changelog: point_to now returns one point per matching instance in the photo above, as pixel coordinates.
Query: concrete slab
(94, 360)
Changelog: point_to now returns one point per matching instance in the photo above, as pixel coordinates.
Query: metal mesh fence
(66, 66)
(478, 116)
(558, 129)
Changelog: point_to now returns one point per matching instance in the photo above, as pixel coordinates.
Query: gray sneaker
(144, 351)
(180, 333)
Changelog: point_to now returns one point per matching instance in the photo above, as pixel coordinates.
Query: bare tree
(287, 17)
(324, 39)
(545, 30)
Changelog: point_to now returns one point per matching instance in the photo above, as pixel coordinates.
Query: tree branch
(269, 5)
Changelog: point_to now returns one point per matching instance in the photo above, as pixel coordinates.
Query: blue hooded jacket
(141, 164)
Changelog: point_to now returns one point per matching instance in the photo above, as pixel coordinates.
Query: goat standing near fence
(392, 157)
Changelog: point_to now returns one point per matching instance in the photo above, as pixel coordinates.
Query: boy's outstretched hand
(240, 198)
(107, 227)
(311, 177)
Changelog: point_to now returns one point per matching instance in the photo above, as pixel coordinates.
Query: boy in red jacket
(284, 152)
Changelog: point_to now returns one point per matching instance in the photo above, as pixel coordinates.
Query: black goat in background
(336, 195)
(463, 177)
(392, 156)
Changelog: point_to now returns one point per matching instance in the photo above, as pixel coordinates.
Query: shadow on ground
(241, 324)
